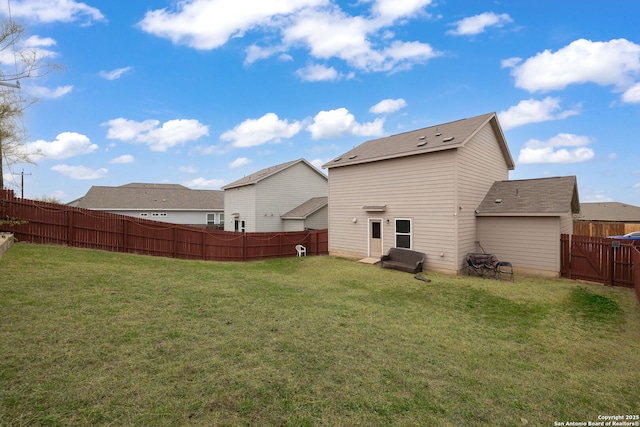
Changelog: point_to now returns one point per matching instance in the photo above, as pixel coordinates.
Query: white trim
(395, 233)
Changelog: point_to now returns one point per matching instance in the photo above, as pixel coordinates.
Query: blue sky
(204, 92)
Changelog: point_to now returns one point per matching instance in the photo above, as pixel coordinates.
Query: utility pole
(22, 174)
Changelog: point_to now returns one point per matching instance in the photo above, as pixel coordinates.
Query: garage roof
(542, 196)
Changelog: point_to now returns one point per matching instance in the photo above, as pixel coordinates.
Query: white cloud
(391, 10)
(632, 95)
(388, 106)
(204, 24)
(256, 53)
(55, 11)
(124, 159)
(553, 151)
(320, 26)
(188, 169)
(66, 145)
(80, 172)
(479, 23)
(613, 63)
(534, 111)
(115, 74)
(267, 128)
(45, 92)
(318, 164)
(239, 162)
(316, 73)
(510, 62)
(204, 184)
(158, 138)
(333, 34)
(31, 47)
(339, 122)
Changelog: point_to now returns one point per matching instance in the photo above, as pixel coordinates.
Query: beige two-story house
(418, 190)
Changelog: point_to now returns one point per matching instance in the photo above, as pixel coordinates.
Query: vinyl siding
(480, 163)
(283, 191)
(293, 225)
(417, 187)
(566, 224)
(240, 200)
(171, 216)
(318, 220)
(531, 243)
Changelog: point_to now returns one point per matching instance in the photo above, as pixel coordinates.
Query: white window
(403, 233)
(211, 218)
(221, 221)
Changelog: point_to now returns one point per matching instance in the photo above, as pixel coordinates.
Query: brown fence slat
(51, 223)
(597, 259)
(635, 254)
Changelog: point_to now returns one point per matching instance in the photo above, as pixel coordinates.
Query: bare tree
(27, 64)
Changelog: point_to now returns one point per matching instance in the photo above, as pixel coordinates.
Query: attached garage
(521, 222)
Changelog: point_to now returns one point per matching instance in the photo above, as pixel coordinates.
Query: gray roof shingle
(541, 196)
(256, 177)
(307, 208)
(430, 139)
(608, 211)
(137, 196)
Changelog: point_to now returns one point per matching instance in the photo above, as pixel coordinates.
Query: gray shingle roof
(307, 208)
(151, 196)
(542, 196)
(608, 211)
(256, 177)
(434, 138)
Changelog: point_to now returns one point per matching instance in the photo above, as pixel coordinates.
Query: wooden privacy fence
(598, 259)
(50, 223)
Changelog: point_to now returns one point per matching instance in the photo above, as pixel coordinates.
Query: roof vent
(447, 139)
(498, 201)
(422, 137)
(353, 157)
(338, 159)
(438, 133)
(422, 144)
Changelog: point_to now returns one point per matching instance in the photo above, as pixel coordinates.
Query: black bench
(481, 264)
(404, 260)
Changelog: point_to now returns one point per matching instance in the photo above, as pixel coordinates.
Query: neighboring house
(418, 190)
(604, 219)
(311, 215)
(608, 212)
(521, 221)
(285, 197)
(159, 202)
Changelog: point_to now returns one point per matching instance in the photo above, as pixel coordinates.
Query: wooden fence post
(125, 235)
(244, 244)
(70, 232)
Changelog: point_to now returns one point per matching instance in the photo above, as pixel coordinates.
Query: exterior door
(375, 238)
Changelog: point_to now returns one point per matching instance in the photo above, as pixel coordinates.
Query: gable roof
(440, 137)
(608, 211)
(541, 196)
(136, 196)
(265, 173)
(307, 208)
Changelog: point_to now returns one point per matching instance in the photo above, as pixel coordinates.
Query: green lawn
(97, 338)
